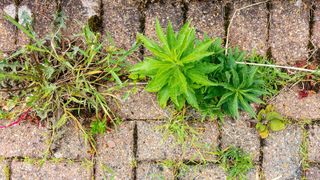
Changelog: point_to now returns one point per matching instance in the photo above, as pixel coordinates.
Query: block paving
(136, 149)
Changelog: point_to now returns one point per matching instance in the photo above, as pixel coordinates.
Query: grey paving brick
(121, 20)
(78, 13)
(239, 133)
(205, 142)
(314, 144)
(164, 11)
(313, 173)
(152, 170)
(7, 30)
(289, 31)
(204, 172)
(50, 170)
(208, 17)
(115, 158)
(249, 29)
(152, 145)
(289, 104)
(70, 144)
(140, 105)
(281, 154)
(23, 140)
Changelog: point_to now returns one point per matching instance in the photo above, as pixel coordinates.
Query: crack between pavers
(185, 9)
(135, 150)
(269, 52)
(311, 47)
(226, 18)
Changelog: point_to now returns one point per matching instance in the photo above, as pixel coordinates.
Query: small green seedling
(98, 127)
(269, 120)
(235, 162)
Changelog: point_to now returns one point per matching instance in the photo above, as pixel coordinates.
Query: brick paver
(50, 170)
(164, 11)
(140, 105)
(281, 154)
(203, 144)
(207, 17)
(314, 144)
(7, 30)
(204, 172)
(23, 140)
(153, 146)
(239, 133)
(313, 173)
(290, 105)
(249, 29)
(289, 31)
(70, 144)
(115, 155)
(151, 170)
(78, 13)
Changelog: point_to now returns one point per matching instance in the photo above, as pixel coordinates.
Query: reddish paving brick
(205, 142)
(23, 140)
(281, 154)
(290, 105)
(313, 173)
(50, 170)
(164, 11)
(7, 30)
(151, 170)
(115, 158)
(249, 29)
(152, 144)
(70, 144)
(314, 144)
(121, 20)
(43, 12)
(140, 105)
(239, 133)
(78, 13)
(289, 31)
(208, 17)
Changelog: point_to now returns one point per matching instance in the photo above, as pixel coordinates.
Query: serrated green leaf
(161, 36)
(163, 96)
(251, 98)
(191, 98)
(195, 56)
(171, 37)
(244, 104)
(200, 78)
(160, 80)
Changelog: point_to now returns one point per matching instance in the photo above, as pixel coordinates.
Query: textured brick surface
(289, 104)
(249, 29)
(78, 13)
(204, 143)
(281, 154)
(208, 17)
(314, 144)
(68, 171)
(43, 12)
(289, 31)
(164, 11)
(23, 140)
(152, 145)
(139, 105)
(115, 156)
(149, 170)
(313, 173)
(122, 20)
(3, 166)
(7, 31)
(70, 143)
(204, 172)
(239, 133)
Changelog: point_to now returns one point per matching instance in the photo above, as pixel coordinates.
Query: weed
(179, 168)
(304, 151)
(6, 171)
(235, 162)
(269, 120)
(176, 66)
(60, 78)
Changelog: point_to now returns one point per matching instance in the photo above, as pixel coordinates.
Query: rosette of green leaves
(240, 84)
(177, 66)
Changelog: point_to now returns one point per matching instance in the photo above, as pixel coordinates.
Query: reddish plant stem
(22, 117)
